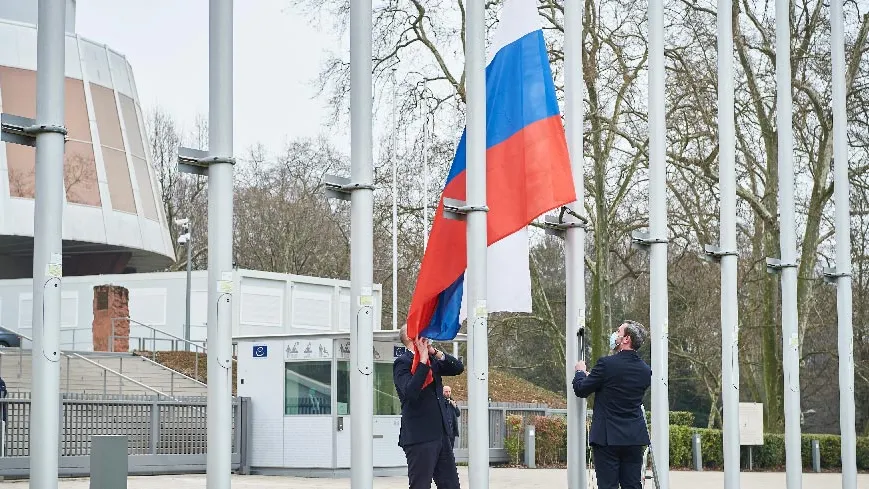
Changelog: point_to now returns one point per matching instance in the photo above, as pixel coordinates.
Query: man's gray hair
(636, 332)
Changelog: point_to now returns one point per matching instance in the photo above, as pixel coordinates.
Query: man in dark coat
(452, 406)
(618, 426)
(426, 423)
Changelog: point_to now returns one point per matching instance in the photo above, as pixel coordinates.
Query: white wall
(305, 442)
(262, 379)
(265, 304)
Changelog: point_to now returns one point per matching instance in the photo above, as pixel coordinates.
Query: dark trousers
(432, 460)
(618, 465)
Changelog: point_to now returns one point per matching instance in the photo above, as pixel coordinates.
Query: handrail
(173, 371)
(155, 330)
(104, 368)
(107, 369)
(152, 328)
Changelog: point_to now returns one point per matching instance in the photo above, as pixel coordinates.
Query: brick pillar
(111, 301)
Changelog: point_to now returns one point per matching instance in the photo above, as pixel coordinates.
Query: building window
(308, 388)
(343, 388)
(386, 401)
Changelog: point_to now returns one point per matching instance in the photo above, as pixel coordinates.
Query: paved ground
(499, 478)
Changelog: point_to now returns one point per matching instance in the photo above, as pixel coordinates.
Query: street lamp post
(187, 240)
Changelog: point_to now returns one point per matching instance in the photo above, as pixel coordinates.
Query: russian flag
(528, 173)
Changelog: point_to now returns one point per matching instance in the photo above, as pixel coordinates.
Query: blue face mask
(614, 339)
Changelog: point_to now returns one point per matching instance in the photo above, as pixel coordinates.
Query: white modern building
(299, 385)
(264, 304)
(113, 221)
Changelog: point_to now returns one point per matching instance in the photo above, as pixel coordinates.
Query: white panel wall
(96, 63)
(342, 442)
(9, 37)
(83, 223)
(262, 380)
(262, 308)
(312, 307)
(72, 63)
(159, 300)
(308, 441)
(387, 453)
(118, 65)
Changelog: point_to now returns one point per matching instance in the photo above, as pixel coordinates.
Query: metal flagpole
(47, 243)
(478, 348)
(787, 264)
(189, 293)
(577, 471)
(425, 136)
(841, 194)
(727, 251)
(220, 192)
(361, 248)
(394, 208)
(658, 307)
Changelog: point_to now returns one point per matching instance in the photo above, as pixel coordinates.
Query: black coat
(619, 383)
(424, 416)
(454, 420)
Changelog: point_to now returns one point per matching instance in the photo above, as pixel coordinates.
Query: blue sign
(398, 351)
(260, 351)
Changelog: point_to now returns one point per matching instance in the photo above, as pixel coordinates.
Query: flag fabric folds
(527, 174)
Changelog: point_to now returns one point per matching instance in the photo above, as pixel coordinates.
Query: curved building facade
(113, 220)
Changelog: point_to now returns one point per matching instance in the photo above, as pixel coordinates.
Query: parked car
(9, 338)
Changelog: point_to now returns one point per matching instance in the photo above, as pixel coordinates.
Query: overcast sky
(278, 53)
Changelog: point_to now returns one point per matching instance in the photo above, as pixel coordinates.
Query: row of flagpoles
(655, 242)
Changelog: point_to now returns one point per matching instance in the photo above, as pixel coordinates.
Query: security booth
(299, 386)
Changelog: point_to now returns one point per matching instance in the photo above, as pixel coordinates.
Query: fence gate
(164, 436)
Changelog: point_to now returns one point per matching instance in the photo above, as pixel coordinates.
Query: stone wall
(111, 301)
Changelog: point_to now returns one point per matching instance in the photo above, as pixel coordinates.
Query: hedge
(677, 418)
(771, 455)
(551, 445)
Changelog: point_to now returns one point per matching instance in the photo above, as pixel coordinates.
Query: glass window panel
(118, 176)
(108, 122)
(21, 163)
(76, 111)
(80, 174)
(19, 91)
(308, 388)
(143, 181)
(131, 123)
(343, 388)
(386, 401)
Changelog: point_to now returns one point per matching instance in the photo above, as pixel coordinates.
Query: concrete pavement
(499, 478)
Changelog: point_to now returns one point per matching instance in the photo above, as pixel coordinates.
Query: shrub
(681, 418)
(514, 443)
(771, 455)
(552, 442)
(551, 439)
(677, 418)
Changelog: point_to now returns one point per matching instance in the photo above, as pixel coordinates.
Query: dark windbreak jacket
(619, 383)
(424, 415)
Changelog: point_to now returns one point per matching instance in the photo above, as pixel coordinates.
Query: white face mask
(614, 340)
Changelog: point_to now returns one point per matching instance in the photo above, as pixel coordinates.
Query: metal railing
(164, 337)
(498, 413)
(153, 427)
(158, 336)
(104, 369)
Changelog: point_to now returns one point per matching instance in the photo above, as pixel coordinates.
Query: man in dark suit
(454, 408)
(426, 429)
(618, 426)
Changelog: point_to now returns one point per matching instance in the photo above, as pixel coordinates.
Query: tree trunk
(601, 289)
(771, 319)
